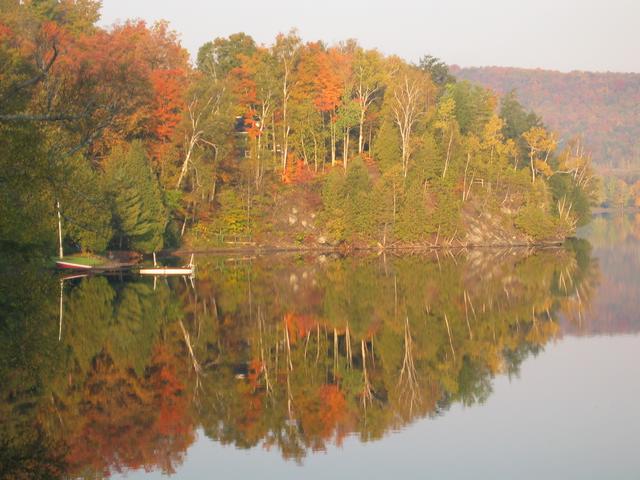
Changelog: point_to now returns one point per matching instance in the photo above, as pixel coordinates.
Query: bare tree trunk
(446, 162)
(335, 352)
(332, 130)
(408, 379)
(366, 95)
(466, 314)
(184, 226)
(304, 151)
(366, 391)
(187, 340)
(315, 153)
(347, 340)
(263, 359)
(60, 250)
(360, 131)
(533, 168)
(187, 159)
(406, 110)
(285, 127)
(345, 149)
(61, 309)
(288, 344)
(258, 177)
(285, 149)
(213, 190)
(196, 133)
(273, 139)
(446, 321)
(464, 182)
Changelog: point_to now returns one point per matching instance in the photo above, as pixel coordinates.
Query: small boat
(72, 266)
(155, 270)
(95, 263)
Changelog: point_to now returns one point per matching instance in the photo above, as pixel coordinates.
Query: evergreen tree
(438, 70)
(334, 203)
(27, 221)
(85, 207)
(516, 119)
(140, 216)
(359, 201)
(474, 106)
(386, 148)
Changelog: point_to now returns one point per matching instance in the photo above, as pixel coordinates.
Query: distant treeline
(602, 108)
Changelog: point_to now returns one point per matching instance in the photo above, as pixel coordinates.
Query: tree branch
(25, 117)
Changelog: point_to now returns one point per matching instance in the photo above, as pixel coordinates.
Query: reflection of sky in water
(571, 414)
(616, 248)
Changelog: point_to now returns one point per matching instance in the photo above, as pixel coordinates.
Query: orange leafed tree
(168, 103)
(333, 72)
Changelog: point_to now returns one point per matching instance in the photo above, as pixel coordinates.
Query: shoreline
(273, 249)
(343, 250)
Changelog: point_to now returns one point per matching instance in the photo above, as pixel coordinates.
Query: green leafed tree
(140, 215)
(438, 70)
(474, 106)
(516, 119)
(360, 206)
(85, 207)
(222, 55)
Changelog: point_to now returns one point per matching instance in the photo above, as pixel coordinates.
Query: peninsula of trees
(287, 144)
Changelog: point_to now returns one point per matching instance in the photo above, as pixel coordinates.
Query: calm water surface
(481, 364)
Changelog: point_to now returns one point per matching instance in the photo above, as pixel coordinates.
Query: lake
(485, 363)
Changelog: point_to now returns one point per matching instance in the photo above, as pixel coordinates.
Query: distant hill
(603, 108)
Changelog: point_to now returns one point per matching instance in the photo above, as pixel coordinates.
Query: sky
(563, 35)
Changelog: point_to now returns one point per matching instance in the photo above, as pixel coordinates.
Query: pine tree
(359, 203)
(85, 207)
(140, 216)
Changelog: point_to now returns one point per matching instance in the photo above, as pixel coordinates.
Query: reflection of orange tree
(324, 415)
(128, 421)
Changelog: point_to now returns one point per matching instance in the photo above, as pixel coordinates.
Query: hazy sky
(556, 34)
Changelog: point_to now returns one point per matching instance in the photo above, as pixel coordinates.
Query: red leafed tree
(169, 86)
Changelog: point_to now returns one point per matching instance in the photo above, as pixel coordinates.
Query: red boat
(72, 266)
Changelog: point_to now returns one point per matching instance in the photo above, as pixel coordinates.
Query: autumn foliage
(592, 105)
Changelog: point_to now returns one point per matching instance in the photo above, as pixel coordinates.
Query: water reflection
(290, 352)
(616, 245)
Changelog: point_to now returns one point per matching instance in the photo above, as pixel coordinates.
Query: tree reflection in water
(288, 352)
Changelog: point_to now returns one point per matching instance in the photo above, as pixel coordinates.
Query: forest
(600, 107)
(135, 146)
